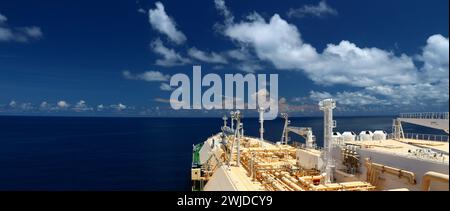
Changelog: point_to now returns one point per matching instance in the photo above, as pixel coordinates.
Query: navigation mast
(327, 107)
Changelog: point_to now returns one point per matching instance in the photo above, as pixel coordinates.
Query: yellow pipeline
(432, 176)
(388, 169)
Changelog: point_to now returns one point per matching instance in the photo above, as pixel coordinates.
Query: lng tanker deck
(230, 161)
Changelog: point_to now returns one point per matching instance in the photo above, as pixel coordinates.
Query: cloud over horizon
(320, 49)
(381, 76)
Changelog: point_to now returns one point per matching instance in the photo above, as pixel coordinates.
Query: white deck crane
(305, 132)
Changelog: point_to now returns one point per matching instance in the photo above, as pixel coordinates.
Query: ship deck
(435, 145)
(242, 181)
(266, 166)
(408, 147)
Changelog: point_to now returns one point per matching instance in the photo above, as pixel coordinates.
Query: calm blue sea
(86, 153)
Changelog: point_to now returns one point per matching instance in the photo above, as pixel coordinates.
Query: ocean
(127, 154)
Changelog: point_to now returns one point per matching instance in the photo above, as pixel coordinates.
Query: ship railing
(303, 146)
(390, 136)
(424, 137)
(300, 146)
(425, 115)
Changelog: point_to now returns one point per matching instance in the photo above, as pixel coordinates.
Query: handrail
(433, 177)
(425, 115)
(424, 137)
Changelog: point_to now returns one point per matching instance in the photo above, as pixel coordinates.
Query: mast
(238, 136)
(224, 121)
(327, 107)
(261, 123)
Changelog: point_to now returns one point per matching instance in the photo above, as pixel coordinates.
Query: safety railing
(425, 115)
(422, 137)
(303, 146)
(390, 136)
(427, 137)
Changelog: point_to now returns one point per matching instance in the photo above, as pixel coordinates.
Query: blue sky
(108, 57)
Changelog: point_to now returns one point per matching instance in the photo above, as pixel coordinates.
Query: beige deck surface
(242, 182)
(402, 147)
(442, 146)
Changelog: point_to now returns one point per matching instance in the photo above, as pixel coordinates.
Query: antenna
(238, 136)
(232, 119)
(224, 121)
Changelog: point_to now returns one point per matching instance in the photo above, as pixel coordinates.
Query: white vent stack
(232, 120)
(309, 139)
(327, 107)
(261, 123)
(237, 116)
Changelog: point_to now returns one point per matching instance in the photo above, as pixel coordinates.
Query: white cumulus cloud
(3, 18)
(146, 76)
(165, 87)
(244, 60)
(12, 104)
(435, 56)
(62, 104)
(81, 106)
(119, 107)
(222, 8)
(275, 41)
(374, 75)
(348, 98)
(280, 43)
(18, 34)
(170, 57)
(141, 10)
(26, 106)
(207, 57)
(320, 10)
(349, 64)
(100, 107)
(45, 106)
(161, 22)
